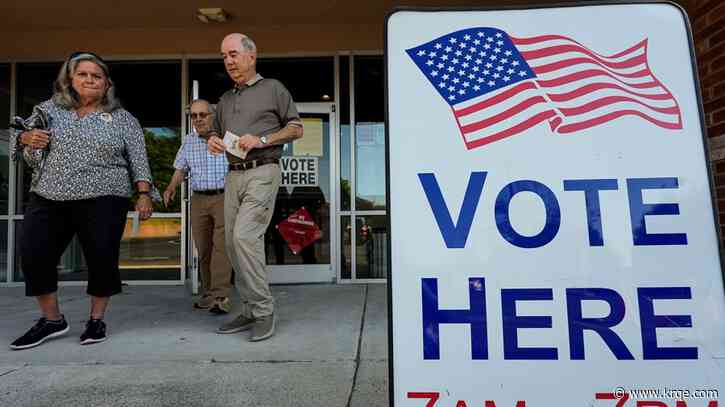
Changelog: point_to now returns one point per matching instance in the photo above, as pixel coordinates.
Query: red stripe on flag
(520, 87)
(590, 73)
(562, 49)
(573, 127)
(543, 38)
(555, 122)
(503, 115)
(511, 131)
(593, 87)
(638, 74)
(596, 104)
(565, 63)
(540, 38)
(640, 44)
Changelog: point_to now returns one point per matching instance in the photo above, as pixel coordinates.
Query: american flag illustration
(499, 86)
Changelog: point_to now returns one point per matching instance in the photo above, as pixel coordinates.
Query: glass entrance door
(300, 241)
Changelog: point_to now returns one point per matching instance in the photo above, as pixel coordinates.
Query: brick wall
(708, 25)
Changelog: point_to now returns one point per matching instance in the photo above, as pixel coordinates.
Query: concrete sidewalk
(330, 350)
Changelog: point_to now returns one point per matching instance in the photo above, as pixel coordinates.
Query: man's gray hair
(212, 108)
(248, 45)
(65, 96)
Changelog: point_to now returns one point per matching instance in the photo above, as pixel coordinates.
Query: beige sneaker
(238, 324)
(205, 302)
(222, 305)
(263, 328)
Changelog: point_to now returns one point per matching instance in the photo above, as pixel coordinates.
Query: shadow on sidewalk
(330, 349)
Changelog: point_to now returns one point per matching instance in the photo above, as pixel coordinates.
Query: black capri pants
(50, 225)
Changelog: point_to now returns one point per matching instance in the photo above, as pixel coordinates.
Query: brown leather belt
(246, 165)
(210, 191)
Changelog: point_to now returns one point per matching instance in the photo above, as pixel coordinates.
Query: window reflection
(346, 250)
(370, 163)
(162, 144)
(17, 271)
(150, 90)
(314, 202)
(371, 247)
(315, 199)
(151, 250)
(4, 141)
(3, 251)
(158, 112)
(4, 93)
(345, 141)
(369, 133)
(34, 85)
(345, 185)
(4, 166)
(4, 172)
(308, 79)
(22, 187)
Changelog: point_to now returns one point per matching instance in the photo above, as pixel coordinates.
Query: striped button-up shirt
(207, 170)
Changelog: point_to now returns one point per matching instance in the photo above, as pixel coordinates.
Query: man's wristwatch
(263, 139)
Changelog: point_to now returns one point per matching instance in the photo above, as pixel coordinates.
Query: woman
(85, 167)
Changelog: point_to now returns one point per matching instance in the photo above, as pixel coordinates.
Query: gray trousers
(249, 198)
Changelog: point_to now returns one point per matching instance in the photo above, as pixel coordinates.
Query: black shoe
(95, 332)
(39, 333)
(222, 305)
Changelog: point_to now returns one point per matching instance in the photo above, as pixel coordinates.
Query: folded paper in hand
(231, 142)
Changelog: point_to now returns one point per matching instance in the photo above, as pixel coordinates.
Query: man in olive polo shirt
(261, 112)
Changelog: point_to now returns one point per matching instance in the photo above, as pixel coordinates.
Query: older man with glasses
(207, 172)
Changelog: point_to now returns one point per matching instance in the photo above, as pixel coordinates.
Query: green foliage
(345, 189)
(360, 203)
(161, 152)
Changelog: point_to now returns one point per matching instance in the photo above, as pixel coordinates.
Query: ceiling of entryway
(42, 28)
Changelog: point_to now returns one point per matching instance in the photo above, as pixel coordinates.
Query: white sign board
(299, 171)
(552, 230)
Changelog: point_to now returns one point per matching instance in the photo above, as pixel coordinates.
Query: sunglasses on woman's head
(81, 54)
(78, 54)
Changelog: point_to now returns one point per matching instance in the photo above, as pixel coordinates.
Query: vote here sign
(299, 171)
(552, 233)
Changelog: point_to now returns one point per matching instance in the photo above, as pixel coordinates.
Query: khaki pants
(249, 200)
(207, 227)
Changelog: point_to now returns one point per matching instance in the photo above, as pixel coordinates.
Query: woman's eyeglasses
(195, 116)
